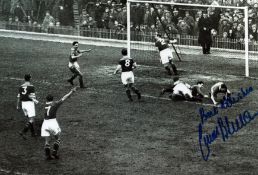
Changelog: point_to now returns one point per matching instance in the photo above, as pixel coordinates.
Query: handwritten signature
(224, 127)
(226, 103)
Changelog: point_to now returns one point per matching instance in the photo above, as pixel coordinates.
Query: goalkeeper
(166, 54)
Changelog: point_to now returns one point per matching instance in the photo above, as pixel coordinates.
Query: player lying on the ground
(127, 64)
(166, 55)
(196, 90)
(219, 87)
(73, 65)
(50, 126)
(26, 100)
(183, 91)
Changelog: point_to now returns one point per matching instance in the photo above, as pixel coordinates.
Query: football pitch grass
(104, 133)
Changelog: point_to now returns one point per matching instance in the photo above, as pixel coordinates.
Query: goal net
(230, 30)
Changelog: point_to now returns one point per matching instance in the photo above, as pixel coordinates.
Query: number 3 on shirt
(127, 63)
(24, 90)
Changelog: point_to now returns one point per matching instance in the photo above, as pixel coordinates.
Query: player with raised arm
(26, 100)
(219, 87)
(73, 65)
(50, 126)
(166, 55)
(127, 64)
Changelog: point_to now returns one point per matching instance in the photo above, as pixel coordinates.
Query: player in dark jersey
(73, 64)
(197, 92)
(26, 99)
(50, 125)
(166, 54)
(127, 64)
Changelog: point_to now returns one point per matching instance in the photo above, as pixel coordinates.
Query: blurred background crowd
(111, 14)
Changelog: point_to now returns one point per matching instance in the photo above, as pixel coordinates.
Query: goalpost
(144, 42)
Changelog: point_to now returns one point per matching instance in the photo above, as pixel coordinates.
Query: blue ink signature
(225, 129)
(227, 102)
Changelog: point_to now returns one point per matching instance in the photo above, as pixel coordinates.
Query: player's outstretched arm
(213, 99)
(117, 69)
(173, 41)
(82, 51)
(69, 94)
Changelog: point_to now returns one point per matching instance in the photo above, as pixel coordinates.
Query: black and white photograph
(129, 87)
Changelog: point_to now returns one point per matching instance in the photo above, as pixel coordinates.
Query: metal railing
(188, 40)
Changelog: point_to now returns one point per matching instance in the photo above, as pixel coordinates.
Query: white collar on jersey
(47, 103)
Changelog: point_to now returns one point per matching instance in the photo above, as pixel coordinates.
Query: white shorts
(28, 108)
(127, 77)
(74, 65)
(166, 55)
(181, 87)
(50, 127)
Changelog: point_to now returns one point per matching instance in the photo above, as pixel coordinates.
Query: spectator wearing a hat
(183, 27)
(240, 33)
(138, 12)
(205, 39)
(99, 9)
(175, 16)
(224, 26)
(189, 21)
(253, 33)
(105, 18)
(147, 18)
(48, 22)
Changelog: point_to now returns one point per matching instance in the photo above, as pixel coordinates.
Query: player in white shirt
(219, 87)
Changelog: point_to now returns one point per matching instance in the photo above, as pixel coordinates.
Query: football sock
(174, 69)
(73, 77)
(81, 82)
(128, 93)
(32, 130)
(47, 150)
(137, 92)
(56, 146)
(168, 70)
(26, 128)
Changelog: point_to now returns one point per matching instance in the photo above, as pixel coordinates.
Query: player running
(26, 100)
(73, 65)
(127, 64)
(166, 54)
(50, 126)
(219, 87)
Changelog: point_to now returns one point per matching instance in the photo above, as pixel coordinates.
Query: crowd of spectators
(107, 14)
(176, 19)
(37, 13)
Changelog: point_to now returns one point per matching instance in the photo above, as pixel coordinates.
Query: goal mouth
(229, 32)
